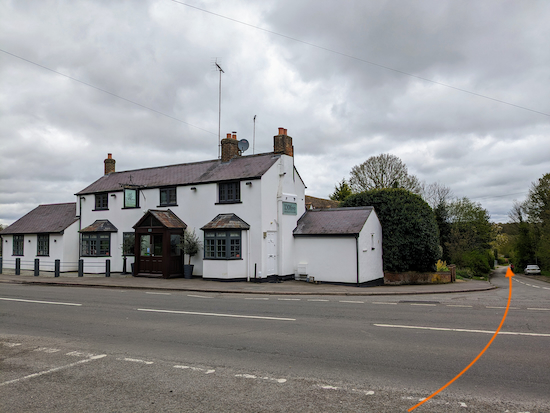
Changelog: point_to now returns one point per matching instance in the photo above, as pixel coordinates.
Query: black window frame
(168, 191)
(224, 244)
(229, 192)
(18, 245)
(101, 201)
(136, 191)
(43, 245)
(91, 244)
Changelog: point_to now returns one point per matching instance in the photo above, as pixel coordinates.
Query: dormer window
(229, 192)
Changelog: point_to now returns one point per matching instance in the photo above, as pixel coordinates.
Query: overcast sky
(459, 90)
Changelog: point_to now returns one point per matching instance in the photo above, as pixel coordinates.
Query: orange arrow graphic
(509, 275)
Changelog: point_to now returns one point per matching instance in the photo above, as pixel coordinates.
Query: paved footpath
(117, 280)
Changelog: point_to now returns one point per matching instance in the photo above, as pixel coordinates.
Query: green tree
(341, 191)
(532, 218)
(381, 172)
(409, 231)
(471, 235)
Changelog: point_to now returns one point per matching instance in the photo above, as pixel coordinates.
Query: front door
(271, 249)
(150, 253)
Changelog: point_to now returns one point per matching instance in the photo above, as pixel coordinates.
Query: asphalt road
(75, 349)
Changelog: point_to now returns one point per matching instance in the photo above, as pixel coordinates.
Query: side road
(117, 280)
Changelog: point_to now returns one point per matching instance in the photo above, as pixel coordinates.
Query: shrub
(409, 230)
(441, 266)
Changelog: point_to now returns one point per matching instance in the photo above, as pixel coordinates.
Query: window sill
(42, 255)
(101, 209)
(95, 256)
(167, 205)
(131, 207)
(228, 202)
(222, 259)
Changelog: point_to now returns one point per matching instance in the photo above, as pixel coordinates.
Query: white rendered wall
(328, 259)
(370, 260)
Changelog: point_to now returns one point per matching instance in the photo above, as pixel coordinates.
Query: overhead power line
(435, 82)
(106, 91)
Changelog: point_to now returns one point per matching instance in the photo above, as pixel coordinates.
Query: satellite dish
(243, 145)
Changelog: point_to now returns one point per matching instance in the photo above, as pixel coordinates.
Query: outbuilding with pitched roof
(340, 245)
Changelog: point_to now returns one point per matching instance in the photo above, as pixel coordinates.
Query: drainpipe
(357, 255)
(248, 256)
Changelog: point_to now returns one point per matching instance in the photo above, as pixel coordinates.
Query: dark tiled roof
(226, 221)
(318, 203)
(101, 225)
(244, 167)
(334, 221)
(166, 218)
(50, 218)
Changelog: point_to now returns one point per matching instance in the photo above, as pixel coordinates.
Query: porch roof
(101, 225)
(166, 218)
(226, 221)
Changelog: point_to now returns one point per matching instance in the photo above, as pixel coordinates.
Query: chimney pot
(282, 131)
(109, 156)
(228, 136)
(234, 135)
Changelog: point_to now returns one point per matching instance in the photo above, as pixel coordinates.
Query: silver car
(532, 269)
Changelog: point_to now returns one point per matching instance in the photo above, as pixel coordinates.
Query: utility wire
(362, 60)
(106, 91)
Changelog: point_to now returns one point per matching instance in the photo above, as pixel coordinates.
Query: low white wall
(328, 259)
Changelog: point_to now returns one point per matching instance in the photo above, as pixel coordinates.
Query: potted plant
(191, 246)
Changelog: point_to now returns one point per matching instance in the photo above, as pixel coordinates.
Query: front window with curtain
(222, 245)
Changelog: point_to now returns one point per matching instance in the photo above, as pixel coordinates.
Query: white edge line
(30, 376)
(38, 302)
(216, 314)
(464, 330)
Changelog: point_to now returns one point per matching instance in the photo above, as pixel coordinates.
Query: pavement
(292, 287)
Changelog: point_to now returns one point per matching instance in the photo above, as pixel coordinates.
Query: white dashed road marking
(318, 300)
(251, 376)
(383, 302)
(356, 302)
(156, 293)
(216, 314)
(38, 302)
(458, 305)
(256, 298)
(136, 361)
(461, 330)
(206, 371)
(540, 309)
(288, 299)
(199, 296)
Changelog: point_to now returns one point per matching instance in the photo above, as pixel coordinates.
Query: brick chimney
(230, 147)
(109, 164)
(282, 143)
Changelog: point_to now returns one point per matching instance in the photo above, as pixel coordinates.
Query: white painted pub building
(248, 211)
